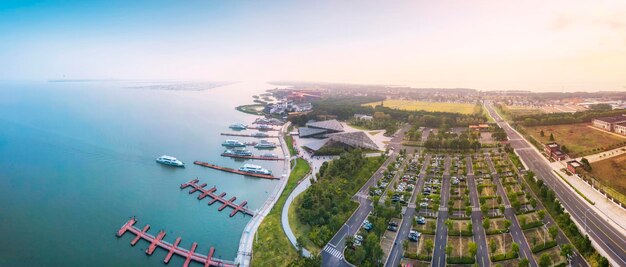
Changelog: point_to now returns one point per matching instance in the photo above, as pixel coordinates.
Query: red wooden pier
(250, 157)
(157, 241)
(217, 198)
(213, 166)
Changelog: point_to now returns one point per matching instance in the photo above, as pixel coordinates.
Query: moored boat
(170, 161)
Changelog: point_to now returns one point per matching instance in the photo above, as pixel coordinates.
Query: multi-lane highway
(610, 241)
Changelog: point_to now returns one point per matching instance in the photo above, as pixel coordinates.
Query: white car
(423, 204)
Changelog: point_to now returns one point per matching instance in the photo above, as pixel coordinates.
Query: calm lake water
(77, 160)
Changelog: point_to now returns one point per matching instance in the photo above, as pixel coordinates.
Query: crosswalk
(475, 209)
(332, 251)
(507, 206)
(412, 206)
(443, 208)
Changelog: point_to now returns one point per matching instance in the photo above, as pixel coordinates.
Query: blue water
(77, 160)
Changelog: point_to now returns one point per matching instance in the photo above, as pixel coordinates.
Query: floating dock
(216, 198)
(251, 157)
(249, 135)
(212, 166)
(157, 241)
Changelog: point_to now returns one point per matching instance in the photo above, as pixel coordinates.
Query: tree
(554, 231)
(542, 134)
(551, 137)
(507, 224)
(542, 214)
(524, 262)
(492, 245)
(486, 224)
(586, 164)
(544, 260)
(566, 250)
(522, 220)
(428, 245)
(448, 223)
(515, 248)
(469, 227)
(472, 248)
(448, 250)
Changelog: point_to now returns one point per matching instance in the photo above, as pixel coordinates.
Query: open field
(579, 138)
(271, 246)
(463, 108)
(516, 110)
(611, 172)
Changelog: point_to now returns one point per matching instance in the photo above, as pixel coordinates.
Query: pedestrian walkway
(332, 251)
(284, 218)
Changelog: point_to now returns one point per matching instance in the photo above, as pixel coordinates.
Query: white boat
(260, 134)
(238, 152)
(233, 143)
(265, 144)
(171, 161)
(238, 126)
(250, 168)
(269, 155)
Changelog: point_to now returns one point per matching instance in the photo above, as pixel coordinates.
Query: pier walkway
(250, 157)
(157, 241)
(217, 198)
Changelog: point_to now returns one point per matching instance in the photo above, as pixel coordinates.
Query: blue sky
(482, 44)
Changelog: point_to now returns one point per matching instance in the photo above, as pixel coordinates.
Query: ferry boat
(250, 168)
(260, 134)
(265, 144)
(238, 152)
(238, 126)
(264, 127)
(233, 143)
(269, 156)
(171, 161)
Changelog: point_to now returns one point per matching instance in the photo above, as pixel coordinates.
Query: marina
(157, 241)
(212, 166)
(217, 198)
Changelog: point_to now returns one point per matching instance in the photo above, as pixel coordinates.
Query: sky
(569, 45)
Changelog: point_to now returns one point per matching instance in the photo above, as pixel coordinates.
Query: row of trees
(553, 206)
(326, 204)
(564, 118)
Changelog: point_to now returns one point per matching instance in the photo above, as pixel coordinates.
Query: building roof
(308, 132)
(613, 119)
(354, 139)
(574, 163)
(332, 125)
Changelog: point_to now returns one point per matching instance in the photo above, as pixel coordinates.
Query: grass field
(579, 139)
(300, 229)
(412, 105)
(271, 246)
(522, 110)
(612, 172)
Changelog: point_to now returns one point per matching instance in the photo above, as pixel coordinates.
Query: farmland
(412, 105)
(580, 139)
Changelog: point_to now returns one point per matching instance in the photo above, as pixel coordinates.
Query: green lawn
(300, 230)
(271, 246)
(289, 141)
(412, 105)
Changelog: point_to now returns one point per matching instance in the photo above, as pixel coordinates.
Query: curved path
(284, 217)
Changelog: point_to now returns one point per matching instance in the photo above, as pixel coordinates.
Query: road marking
(334, 252)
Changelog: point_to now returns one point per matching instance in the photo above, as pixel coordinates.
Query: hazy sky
(533, 45)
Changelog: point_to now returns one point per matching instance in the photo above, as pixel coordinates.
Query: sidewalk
(284, 217)
(613, 213)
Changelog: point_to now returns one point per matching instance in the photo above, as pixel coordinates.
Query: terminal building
(320, 129)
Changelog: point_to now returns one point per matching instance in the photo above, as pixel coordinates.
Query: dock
(213, 166)
(262, 129)
(157, 241)
(250, 157)
(217, 198)
(249, 135)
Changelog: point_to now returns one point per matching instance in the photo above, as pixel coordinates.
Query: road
(441, 237)
(482, 254)
(407, 219)
(610, 242)
(509, 214)
(332, 254)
